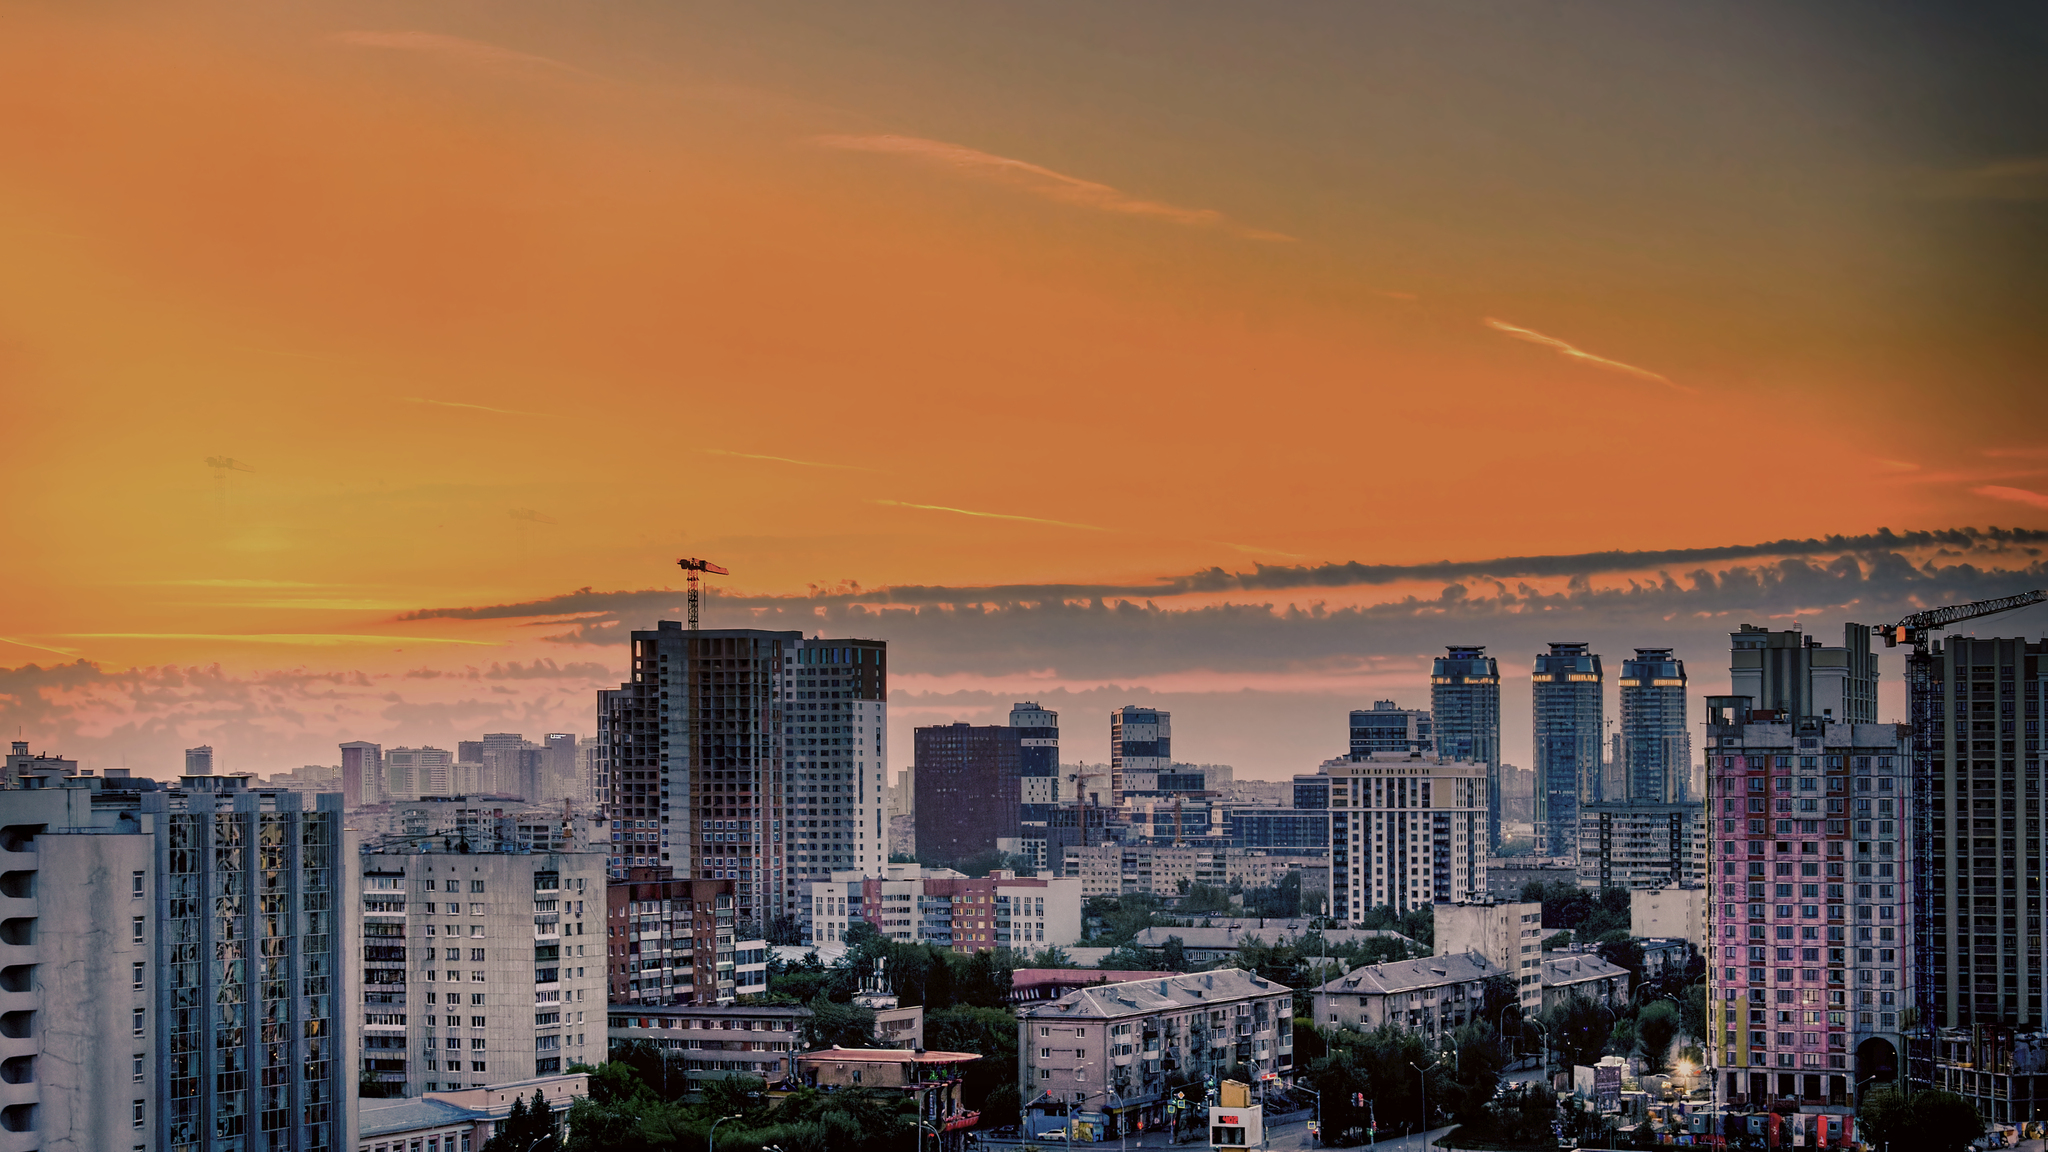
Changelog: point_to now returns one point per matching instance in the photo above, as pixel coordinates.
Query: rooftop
(1031, 977)
(382, 1117)
(888, 1055)
(1144, 997)
(1412, 975)
(1278, 932)
(1578, 968)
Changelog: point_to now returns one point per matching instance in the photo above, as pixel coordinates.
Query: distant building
(479, 967)
(1506, 876)
(1030, 985)
(969, 789)
(1464, 706)
(1510, 936)
(199, 761)
(1219, 938)
(1583, 974)
(1623, 844)
(1794, 676)
(1387, 727)
(413, 772)
(445, 1121)
(1038, 775)
(1140, 740)
(362, 773)
(920, 905)
(1406, 832)
(1432, 997)
(1672, 912)
(1656, 745)
(1080, 1052)
(22, 763)
(718, 1041)
(1568, 687)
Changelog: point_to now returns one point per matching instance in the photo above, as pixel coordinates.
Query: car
(1053, 1134)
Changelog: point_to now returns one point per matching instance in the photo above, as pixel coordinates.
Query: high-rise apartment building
(1794, 675)
(176, 968)
(362, 773)
(414, 772)
(1464, 708)
(940, 906)
(1038, 774)
(1510, 937)
(1388, 727)
(1981, 862)
(748, 755)
(1567, 712)
(1656, 745)
(1809, 914)
(1406, 831)
(1625, 844)
(558, 767)
(1140, 740)
(199, 761)
(479, 967)
(969, 790)
(670, 941)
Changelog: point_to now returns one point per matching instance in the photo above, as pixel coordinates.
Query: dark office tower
(1567, 712)
(362, 773)
(1140, 740)
(1038, 772)
(968, 789)
(1390, 728)
(1464, 707)
(1656, 746)
(1981, 943)
(1793, 675)
(199, 761)
(747, 755)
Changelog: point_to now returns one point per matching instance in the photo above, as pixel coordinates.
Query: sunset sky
(1088, 353)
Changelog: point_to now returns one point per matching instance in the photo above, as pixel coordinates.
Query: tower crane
(1917, 630)
(1080, 779)
(694, 568)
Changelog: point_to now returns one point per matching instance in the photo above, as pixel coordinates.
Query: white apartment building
(1406, 831)
(922, 905)
(1151, 869)
(1433, 996)
(1508, 935)
(481, 967)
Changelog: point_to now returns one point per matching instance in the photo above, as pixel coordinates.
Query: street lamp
(711, 1140)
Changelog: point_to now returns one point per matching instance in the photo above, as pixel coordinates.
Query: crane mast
(1917, 630)
(695, 568)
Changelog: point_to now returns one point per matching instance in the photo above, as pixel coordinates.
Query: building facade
(177, 968)
(920, 905)
(1406, 831)
(1809, 920)
(670, 941)
(479, 967)
(1432, 997)
(1110, 1048)
(1623, 844)
(1388, 727)
(362, 773)
(1038, 775)
(748, 755)
(1464, 707)
(1656, 745)
(719, 1041)
(1568, 708)
(1794, 675)
(1980, 944)
(1585, 975)
(970, 789)
(1509, 936)
(1140, 740)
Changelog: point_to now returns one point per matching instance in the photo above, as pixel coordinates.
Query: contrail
(477, 407)
(1576, 353)
(784, 460)
(991, 515)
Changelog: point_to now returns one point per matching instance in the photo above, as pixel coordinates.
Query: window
(476, 886)
(138, 1067)
(138, 1021)
(476, 1021)
(135, 885)
(135, 930)
(138, 1114)
(138, 975)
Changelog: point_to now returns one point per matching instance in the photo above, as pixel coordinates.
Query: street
(1287, 1133)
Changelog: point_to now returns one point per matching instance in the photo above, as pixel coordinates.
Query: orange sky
(487, 303)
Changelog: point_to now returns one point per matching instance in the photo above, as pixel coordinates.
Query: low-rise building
(1669, 912)
(461, 1121)
(1583, 974)
(1030, 985)
(1110, 1048)
(1207, 945)
(932, 1079)
(1508, 935)
(718, 1040)
(1432, 996)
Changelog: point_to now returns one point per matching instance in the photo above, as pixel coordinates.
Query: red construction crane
(694, 567)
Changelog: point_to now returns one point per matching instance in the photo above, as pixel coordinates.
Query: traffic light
(1358, 1099)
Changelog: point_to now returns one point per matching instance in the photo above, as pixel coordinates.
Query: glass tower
(1464, 704)
(1567, 713)
(1656, 748)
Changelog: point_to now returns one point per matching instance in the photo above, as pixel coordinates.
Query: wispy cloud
(475, 51)
(1042, 181)
(39, 647)
(303, 639)
(474, 407)
(991, 515)
(1577, 353)
(232, 582)
(2019, 178)
(785, 460)
(2016, 495)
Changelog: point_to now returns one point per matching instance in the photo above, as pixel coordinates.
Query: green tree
(1196, 899)
(845, 1025)
(1475, 1075)
(1657, 1025)
(991, 1033)
(1622, 950)
(1173, 955)
(1053, 957)
(1934, 1120)
(986, 978)
(1579, 1029)
(1692, 1012)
